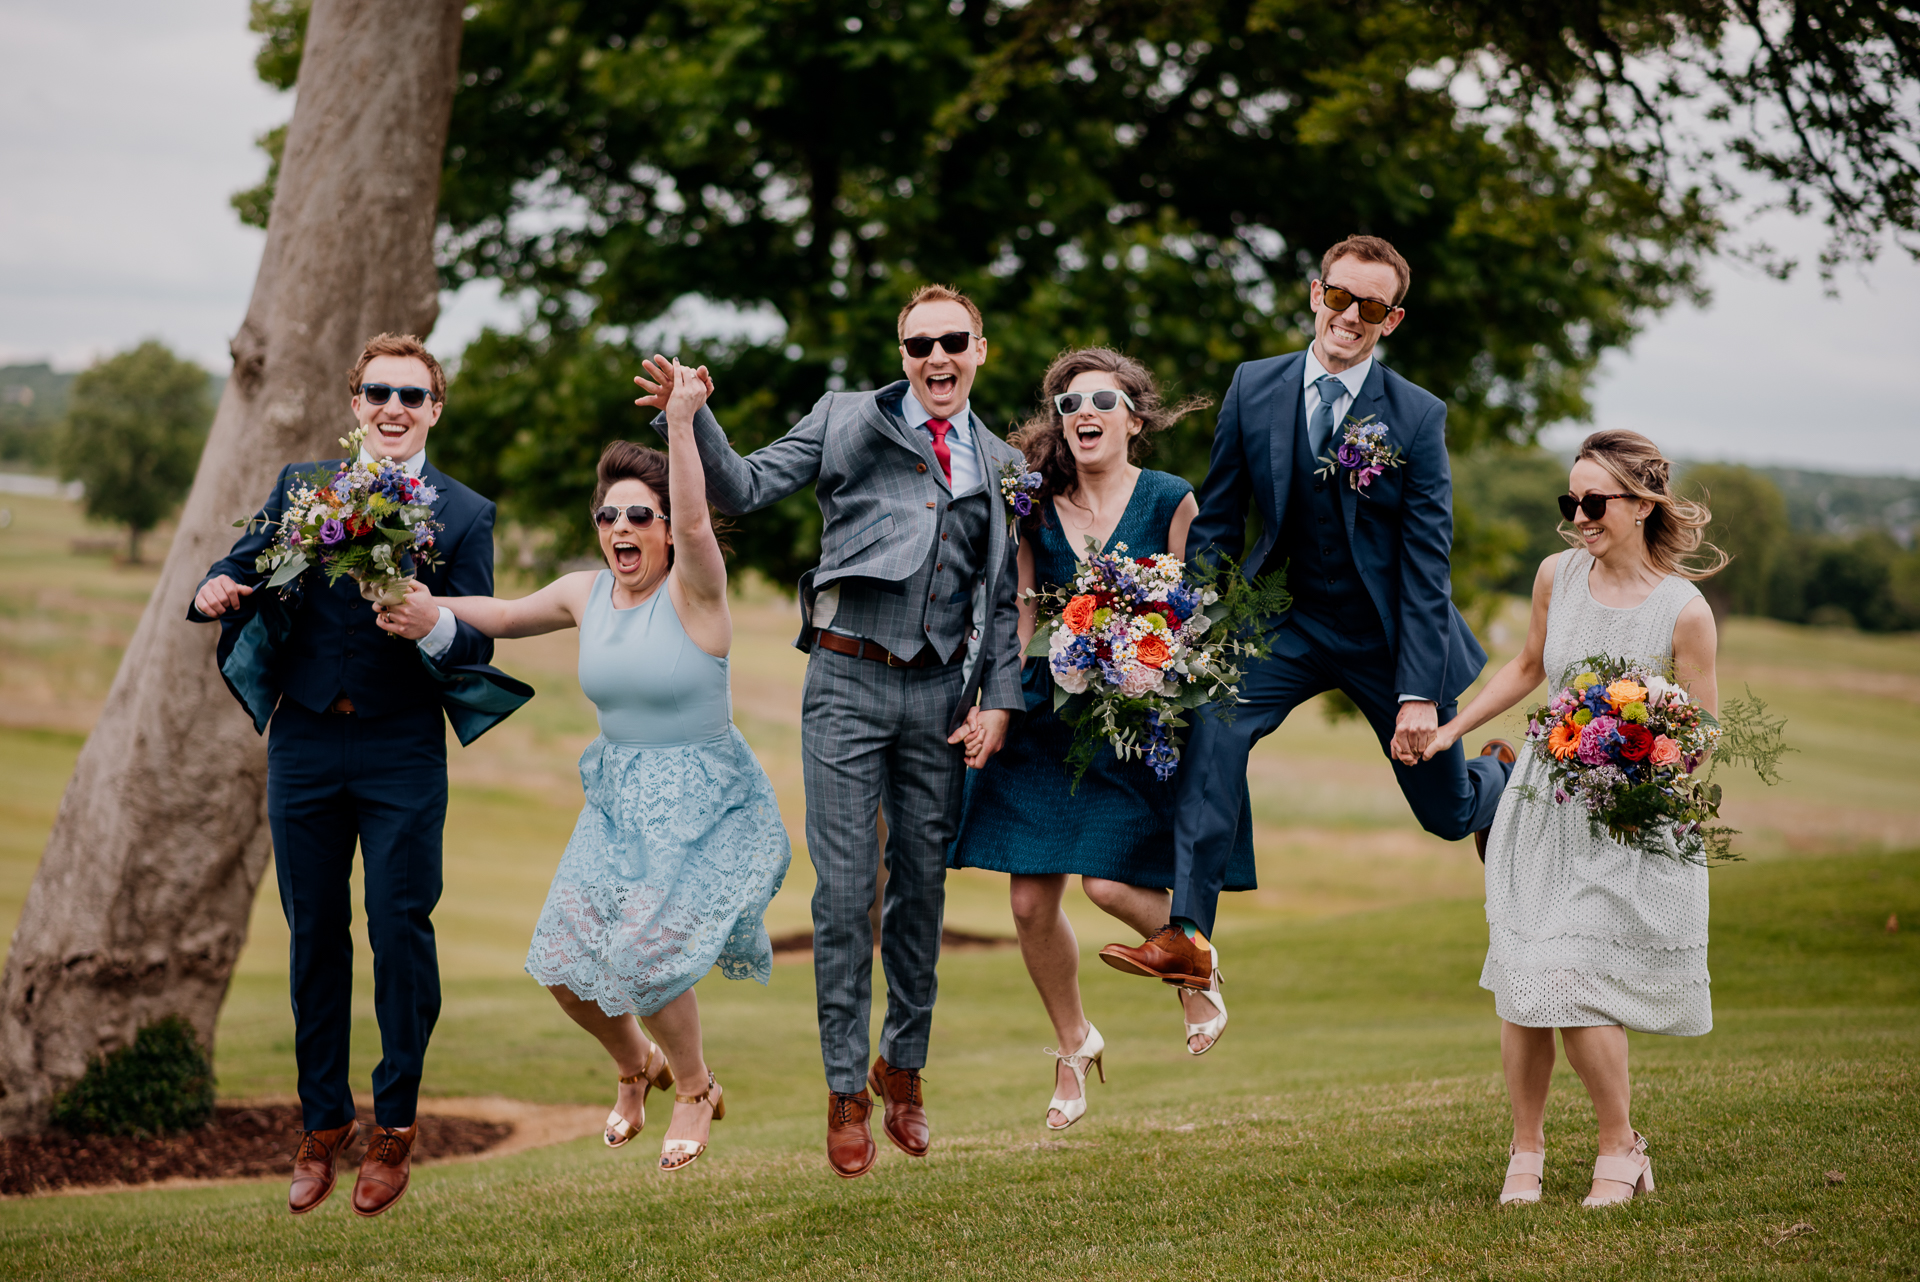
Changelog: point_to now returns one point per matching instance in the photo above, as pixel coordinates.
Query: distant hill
(33, 399)
(1832, 503)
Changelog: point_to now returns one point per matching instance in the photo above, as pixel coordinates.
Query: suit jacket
(877, 522)
(1400, 530)
(313, 642)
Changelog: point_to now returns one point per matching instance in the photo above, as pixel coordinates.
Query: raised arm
(735, 484)
(697, 562)
(1517, 679)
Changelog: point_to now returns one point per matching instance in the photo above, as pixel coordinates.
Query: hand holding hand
(1413, 730)
(985, 733)
(691, 388)
(657, 382)
(412, 618)
(1443, 738)
(218, 595)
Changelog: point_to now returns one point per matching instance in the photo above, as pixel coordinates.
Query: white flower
(1139, 680)
(1072, 680)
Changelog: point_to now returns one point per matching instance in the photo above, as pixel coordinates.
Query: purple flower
(293, 538)
(331, 531)
(1022, 504)
(1349, 456)
(1368, 474)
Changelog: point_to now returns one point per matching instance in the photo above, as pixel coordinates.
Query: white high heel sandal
(1518, 1163)
(1212, 1028)
(1092, 1047)
(1635, 1170)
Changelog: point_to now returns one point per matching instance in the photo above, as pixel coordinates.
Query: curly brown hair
(1043, 438)
(1676, 528)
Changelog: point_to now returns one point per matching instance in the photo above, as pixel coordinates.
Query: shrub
(160, 1084)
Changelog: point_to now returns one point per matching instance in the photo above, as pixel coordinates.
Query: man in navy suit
(357, 754)
(1367, 565)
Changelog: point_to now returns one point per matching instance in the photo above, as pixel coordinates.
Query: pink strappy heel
(1518, 1163)
(1634, 1170)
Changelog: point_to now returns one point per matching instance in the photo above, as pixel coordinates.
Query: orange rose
(1564, 739)
(1623, 692)
(1152, 651)
(1078, 614)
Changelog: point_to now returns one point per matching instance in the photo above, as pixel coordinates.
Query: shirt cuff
(1405, 698)
(437, 642)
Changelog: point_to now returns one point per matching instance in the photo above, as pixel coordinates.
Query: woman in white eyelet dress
(1586, 934)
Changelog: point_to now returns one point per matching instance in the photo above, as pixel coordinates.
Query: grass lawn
(1351, 1123)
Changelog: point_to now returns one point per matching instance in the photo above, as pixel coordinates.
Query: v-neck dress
(1022, 814)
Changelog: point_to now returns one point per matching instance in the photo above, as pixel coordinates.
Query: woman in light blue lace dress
(679, 847)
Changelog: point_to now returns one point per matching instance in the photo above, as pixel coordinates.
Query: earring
(1636, 520)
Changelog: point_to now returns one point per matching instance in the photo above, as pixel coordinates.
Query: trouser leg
(1451, 795)
(847, 726)
(400, 791)
(311, 819)
(926, 779)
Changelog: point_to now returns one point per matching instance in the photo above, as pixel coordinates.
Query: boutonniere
(1017, 487)
(1364, 453)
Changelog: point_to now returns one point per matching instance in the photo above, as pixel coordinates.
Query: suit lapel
(1369, 401)
(891, 425)
(1280, 438)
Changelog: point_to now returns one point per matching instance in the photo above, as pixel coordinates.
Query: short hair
(625, 461)
(399, 345)
(1370, 249)
(939, 294)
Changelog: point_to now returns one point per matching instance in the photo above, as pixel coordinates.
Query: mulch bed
(238, 1143)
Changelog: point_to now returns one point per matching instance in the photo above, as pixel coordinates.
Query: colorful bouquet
(1017, 487)
(362, 521)
(1364, 453)
(1136, 641)
(1624, 740)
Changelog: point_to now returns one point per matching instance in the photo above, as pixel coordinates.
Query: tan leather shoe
(905, 1121)
(850, 1147)
(1169, 955)
(313, 1167)
(385, 1170)
(1502, 751)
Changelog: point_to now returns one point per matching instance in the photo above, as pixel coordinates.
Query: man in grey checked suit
(910, 622)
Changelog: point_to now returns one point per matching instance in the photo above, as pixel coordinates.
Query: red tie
(940, 427)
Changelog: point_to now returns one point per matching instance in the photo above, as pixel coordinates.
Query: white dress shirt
(436, 643)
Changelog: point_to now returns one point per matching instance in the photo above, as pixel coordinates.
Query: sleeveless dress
(1020, 813)
(680, 846)
(1585, 930)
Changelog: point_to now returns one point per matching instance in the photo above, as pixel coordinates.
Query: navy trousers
(1451, 795)
(334, 781)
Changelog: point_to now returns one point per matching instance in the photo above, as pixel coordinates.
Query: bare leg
(677, 1025)
(1526, 1057)
(1052, 954)
(1599, 1055)
(621, 1035)
(1146, 909)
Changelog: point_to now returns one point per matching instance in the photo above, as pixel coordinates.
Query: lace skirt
(668, 874)
(1583, 930)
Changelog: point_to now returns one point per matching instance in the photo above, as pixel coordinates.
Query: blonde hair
(940, 294)
(1675, 527)
(399, 345)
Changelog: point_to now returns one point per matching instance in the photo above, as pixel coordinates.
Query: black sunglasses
(1594, 505)
(638, 515)
(953, 344)
(1068, 403)
(380, 393)
(1372, 310)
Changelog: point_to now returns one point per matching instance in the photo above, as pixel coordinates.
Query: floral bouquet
(1017, 487)
(360, 521)
(1136, 641)
(1623, 740)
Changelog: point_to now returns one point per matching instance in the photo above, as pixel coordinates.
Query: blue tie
(1320, 427)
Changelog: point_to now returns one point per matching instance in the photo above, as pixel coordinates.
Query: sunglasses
(1103, 399)
(639, 516)
(1372, 310)
(380, 393)
(1594, 505)
(953, 344)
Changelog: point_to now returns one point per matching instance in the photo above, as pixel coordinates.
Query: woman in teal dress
(1023, 814)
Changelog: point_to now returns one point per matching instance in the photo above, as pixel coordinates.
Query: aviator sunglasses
(638, 515)
(1103, 399)
(380, 393)
(1594, 505)
(1372, 310)
(953, 344)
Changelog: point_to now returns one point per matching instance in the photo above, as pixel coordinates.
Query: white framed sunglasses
(1103, 398)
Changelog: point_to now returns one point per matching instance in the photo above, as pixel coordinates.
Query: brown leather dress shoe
(385, 1170)
(313, 1167)
(1169, 955)
(1502, 751)
(906, 1116)
(850, 1147)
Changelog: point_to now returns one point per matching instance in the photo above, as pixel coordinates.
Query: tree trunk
(140, 905)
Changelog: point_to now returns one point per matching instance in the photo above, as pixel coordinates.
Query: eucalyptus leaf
(289, 571)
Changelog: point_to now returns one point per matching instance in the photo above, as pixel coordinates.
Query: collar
(413, 465)
(917, 416)
(1352, 379)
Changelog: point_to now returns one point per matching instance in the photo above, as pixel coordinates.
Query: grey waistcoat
(938, 596)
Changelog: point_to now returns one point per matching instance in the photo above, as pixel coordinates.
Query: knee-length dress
(1022, 814)
(680, 845)
(1585, 930)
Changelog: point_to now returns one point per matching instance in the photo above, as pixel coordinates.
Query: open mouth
(626, 557)
(392, 431)
(1089, 434)
(942, 385)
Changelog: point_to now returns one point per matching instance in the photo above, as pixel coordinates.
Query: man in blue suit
(357, 755)
(1366, 554)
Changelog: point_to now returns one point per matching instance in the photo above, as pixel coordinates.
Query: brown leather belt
(860, 649)
(341, 705)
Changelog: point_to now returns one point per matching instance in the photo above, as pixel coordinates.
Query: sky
(125, 126)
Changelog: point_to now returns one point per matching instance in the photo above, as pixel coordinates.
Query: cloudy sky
(125, 125)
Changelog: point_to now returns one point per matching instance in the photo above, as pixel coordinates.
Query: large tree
(140, 904)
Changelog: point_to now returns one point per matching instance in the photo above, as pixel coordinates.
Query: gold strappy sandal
(678, 1155)
(658, 1076)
